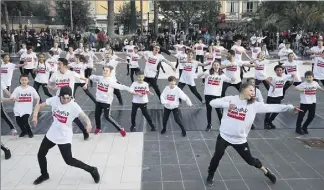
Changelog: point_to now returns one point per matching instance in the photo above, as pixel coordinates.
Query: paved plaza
(147, 160)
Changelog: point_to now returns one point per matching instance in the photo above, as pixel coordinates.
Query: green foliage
(27, 8)
(80, 13)
(124, 17)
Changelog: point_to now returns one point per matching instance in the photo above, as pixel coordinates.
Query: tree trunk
(6, 16)
(156, 17)
(133, 17)
(141, 5)
(111, 18)
(187, 22)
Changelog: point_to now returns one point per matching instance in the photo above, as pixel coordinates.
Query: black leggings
(127, 66)
(45, 89)
(3, 147)
(193, 89)
(23, 123)
(143, 108)
(209, 98)
(30, 71)
(5, 117)
(133, 71)
(66, 153)
(322, 81)
(287, 85)
(265, 83)
(80, 125)
(311, 108)
(226, 85)
(153, 83)
(176, 115)
(98, 111)
(76, 85)
(269, 117)
(87, 74)
(242, 149)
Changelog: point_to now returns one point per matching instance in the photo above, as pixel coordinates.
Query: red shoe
(122, 132)
(97, 131)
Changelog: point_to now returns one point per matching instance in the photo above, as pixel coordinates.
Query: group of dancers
(235, 113)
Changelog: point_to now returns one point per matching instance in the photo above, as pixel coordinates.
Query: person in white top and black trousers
(238, 116)
(170, 99)
(64, 110)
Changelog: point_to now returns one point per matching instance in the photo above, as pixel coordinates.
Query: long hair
(245, 86)
(212, 71)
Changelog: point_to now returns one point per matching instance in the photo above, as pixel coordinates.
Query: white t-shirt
(239, 50)
(53, 63)
(283, 54)
(66, 79)
(42, 72)
(236, 123)
(258, 95)
(260, 69)
(218, 51)
(89, 57)
(151, 64)
(70, 57)
(61, 130)
(134, 57)
(25, 98)
(30, 59)
(189, 73)
(170, 97)
(209, 58)
(199, 48)
(114, 64)
(79, 68)
(129, 49)
(57, 52)
(142, 88)
(279, 83)
(7, 72)
(319, 68)
(179, 48)
(293, 68)
(214, 83)
(105, 88)
(255, 52)
(182, 58)
(316, 50)
(309, 95)
(233, 71)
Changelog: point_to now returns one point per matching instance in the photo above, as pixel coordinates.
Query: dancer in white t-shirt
(60, 133)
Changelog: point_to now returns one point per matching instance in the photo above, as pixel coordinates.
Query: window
(232, 7)
(249, 7)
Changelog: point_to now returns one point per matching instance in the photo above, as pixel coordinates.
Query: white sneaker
(13, 132)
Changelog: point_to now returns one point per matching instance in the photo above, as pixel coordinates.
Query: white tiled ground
(119, 161)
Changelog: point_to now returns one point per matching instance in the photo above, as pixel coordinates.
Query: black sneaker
(272, 126)
(85, 135)
(184, 133)
(30, 134)
(41, 179)
(208, 128)
(95, 175)
(153, 128)
(22, 134)
(252, 127)
(163, 131)
(7, 154)
(210, 181)
(267, 126)
(133, 129)
(271, 176)
(305, 130)
(299, 131)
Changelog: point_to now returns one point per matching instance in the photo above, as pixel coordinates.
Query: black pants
(132, 72)
(143, 108)
(66, 153)
(45, 89)
(80, 125)
(265, 83)
(23, 123)
(209, 98)
(242, 71)
(200, 58)
(226, 85)
(176, 115)
(128, 60)
(3, 147)
(87, 74)
(193, 89)
(153, 83)
(311, 108)
(5, 117)
(76, 85)
(31, 72)
(98, 111)
(180, 72)
(269, 117)
(242, 149)
(322, 81)
(287, 85)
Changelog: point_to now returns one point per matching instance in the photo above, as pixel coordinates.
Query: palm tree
(156, 17)
(111, 18)
(133, 17)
